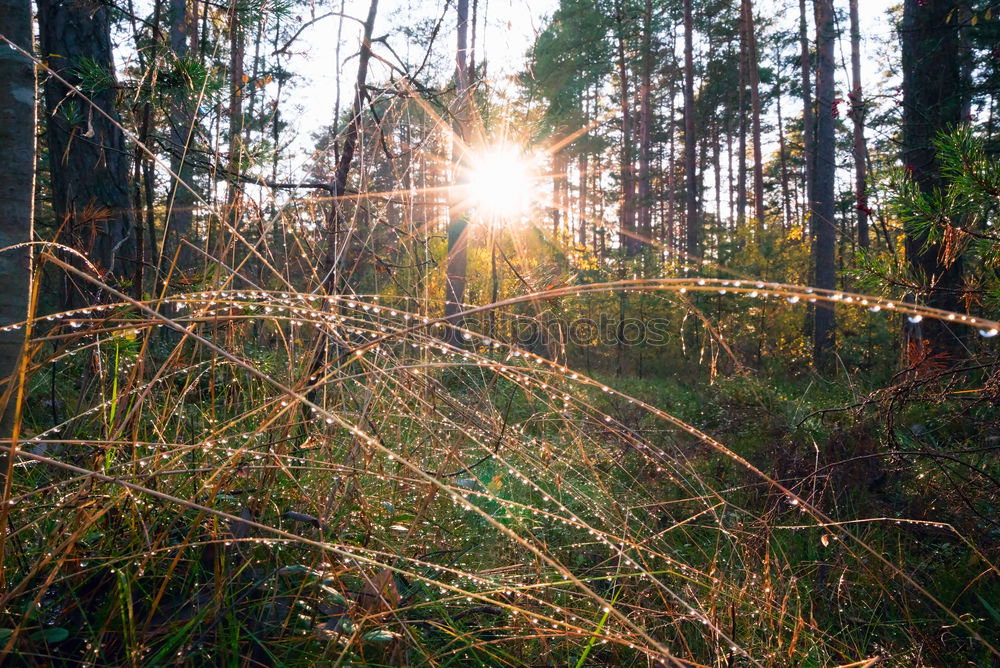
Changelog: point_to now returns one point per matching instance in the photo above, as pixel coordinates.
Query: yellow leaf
(975, 19)
(496, 483)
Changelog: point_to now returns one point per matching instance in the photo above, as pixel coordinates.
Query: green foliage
(92, 76)
(190, 77)
(960, 214)
(570, 57)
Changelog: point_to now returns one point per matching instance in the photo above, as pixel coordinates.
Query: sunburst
(501, 182)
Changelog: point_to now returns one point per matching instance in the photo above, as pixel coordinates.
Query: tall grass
(253, 476)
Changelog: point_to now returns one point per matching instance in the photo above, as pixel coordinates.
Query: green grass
(420, 505)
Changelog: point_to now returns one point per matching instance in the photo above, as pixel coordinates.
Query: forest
(512, 333)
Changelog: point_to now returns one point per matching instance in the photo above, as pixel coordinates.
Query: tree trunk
(753, 72)
(181, 200)
(87, 157)
(702, 159)
(935, 92)
(582, 203)
(336, 217)
(690, 147)
(823, 210)
(237, 89)
(472, 48)
(808, 124)
(741, 112)
(717, 169)
(786, 200)
(627, 209)
(645, 127)
(858, 116)
(142, 198)
(17, 187)
(458, 243)
(670, 236)
(556, 193)
(730, 131)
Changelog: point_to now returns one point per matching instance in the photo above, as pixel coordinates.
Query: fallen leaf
(379, 594)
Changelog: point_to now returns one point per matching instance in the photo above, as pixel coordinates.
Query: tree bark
(562, 217)
(181, 201)
(753, 73)
(717, 168)
(336, 218)
(694, 232)
(786, 200)
(458, 242)
(627, 208)
(582, 162)
(823, 210)
(142, 181)
(808, 123)
(935, 93)
(17, 187)
(741, 112)
(858, 116)
(731, 188)
(237, 89)
(87, 157)
(670, 224)
(645, 193)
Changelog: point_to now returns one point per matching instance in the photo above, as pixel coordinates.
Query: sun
(502, 181)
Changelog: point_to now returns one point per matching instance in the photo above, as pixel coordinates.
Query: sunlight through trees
(671, 340)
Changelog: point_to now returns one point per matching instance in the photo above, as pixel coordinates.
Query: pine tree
(88, 162)
(935, 96)
(825, 167)
(17, 189)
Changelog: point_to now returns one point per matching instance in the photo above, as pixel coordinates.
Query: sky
(511, 27)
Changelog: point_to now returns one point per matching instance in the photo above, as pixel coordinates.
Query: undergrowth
(249, 477)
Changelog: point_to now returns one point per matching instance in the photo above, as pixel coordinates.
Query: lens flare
(501, 182)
